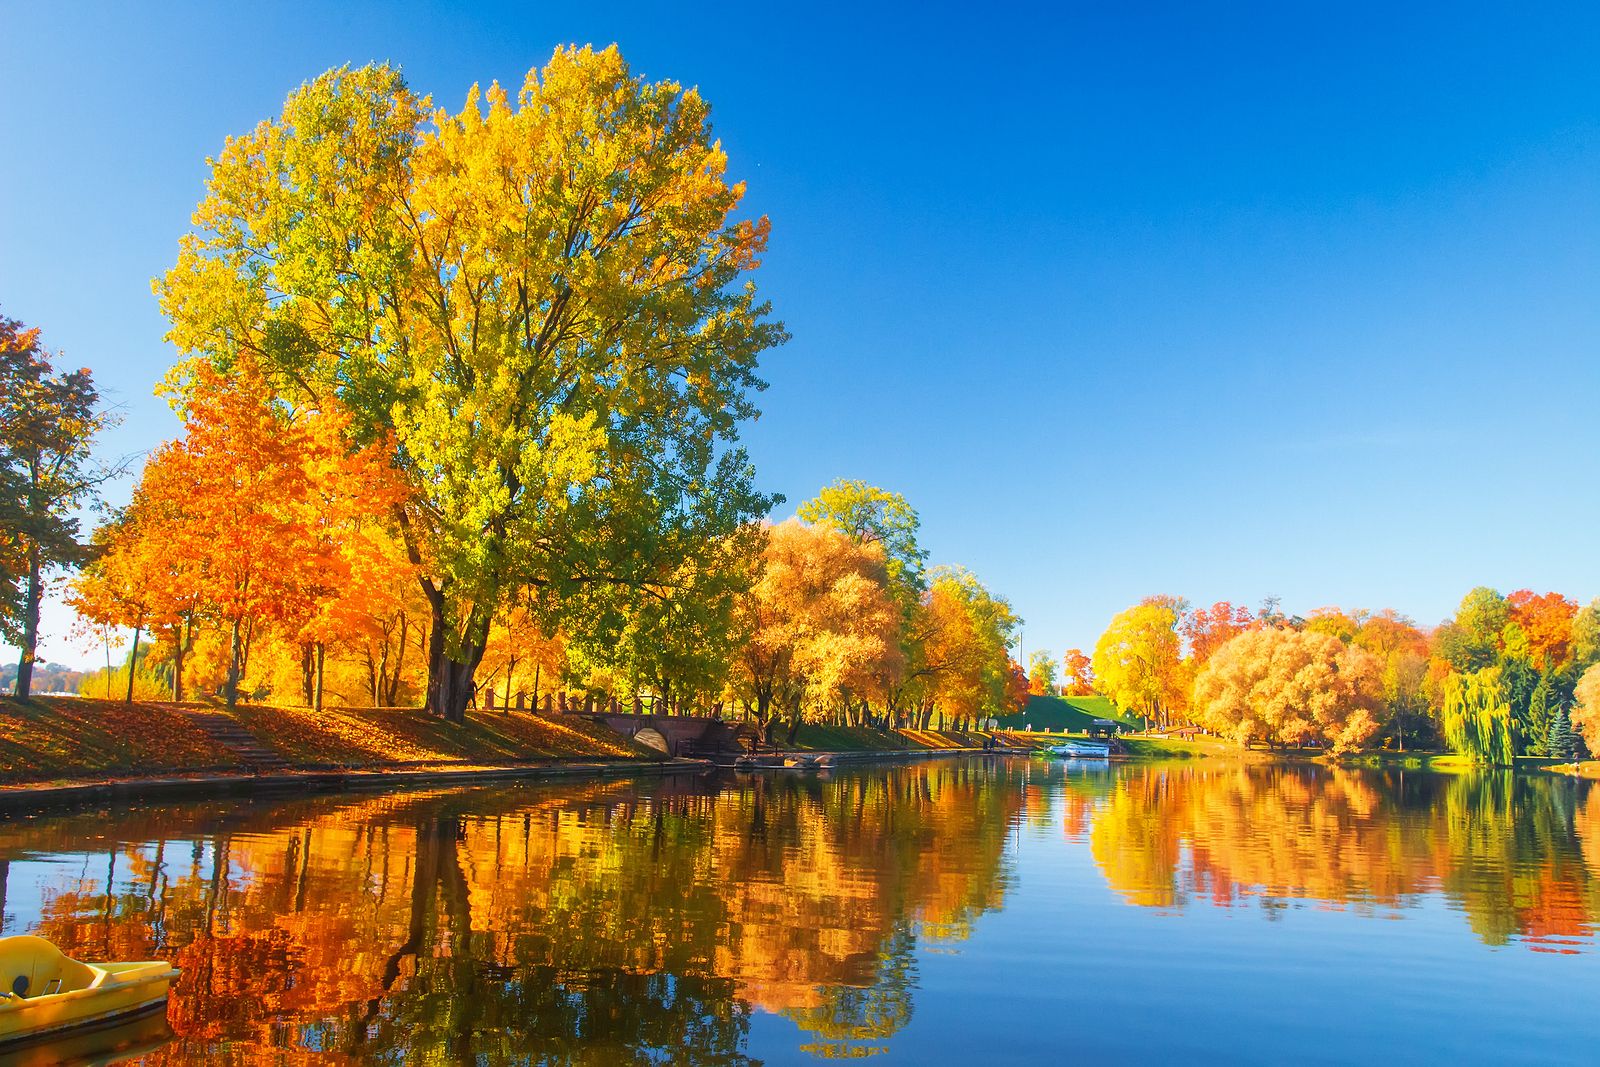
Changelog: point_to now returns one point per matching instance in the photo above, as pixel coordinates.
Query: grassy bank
(69, 738)
(819, 738)
(75, 739)
(56, 738)
(1073, 714)
(360, 737)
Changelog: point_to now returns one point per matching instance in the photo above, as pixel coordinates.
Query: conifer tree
(1558, 742)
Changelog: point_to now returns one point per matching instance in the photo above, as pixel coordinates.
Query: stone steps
(227, 732)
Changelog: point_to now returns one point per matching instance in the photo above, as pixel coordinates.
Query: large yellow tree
(1284, 686)
(1137, 662)
(543, 297)
(823, 628)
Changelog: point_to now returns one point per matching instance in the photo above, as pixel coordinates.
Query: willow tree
(543, 300)
(1477, 717)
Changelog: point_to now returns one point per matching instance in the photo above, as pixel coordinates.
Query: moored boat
(45, 992)
(1081, 749)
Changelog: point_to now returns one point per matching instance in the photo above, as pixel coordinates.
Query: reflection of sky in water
(989, 911)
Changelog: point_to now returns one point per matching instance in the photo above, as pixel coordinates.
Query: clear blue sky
(1219, 301)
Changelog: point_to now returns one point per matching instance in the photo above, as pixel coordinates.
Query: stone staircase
(226, 731)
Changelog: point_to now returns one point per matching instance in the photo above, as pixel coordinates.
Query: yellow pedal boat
(44, 992)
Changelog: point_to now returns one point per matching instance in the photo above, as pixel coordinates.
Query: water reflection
(656, 921)
(1516, 854)
(609, 923)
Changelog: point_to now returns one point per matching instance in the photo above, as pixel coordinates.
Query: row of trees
(1506, 676)
(461, 395)
(257, 558)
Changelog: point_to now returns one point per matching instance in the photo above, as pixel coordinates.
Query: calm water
(980, 911)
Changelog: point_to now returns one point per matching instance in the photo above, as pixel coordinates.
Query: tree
(1585, 714)
(112, 589)
(349, 493)
(48, 423)
(1586, 636)
(544, 300)
(1534, 729)
(234, 493)
(1472, 640)
(253, 519)
(822, 627)
(1077, 679)
(1042, 673)
(1335, 623)
(1208, 629)
(1546, 622)
(976, 676)
(1403, 651)
(1477, 717)
(141, 578)
(874, 516)
(1290, 687)
(521, 660)
(678, 641)
(1560, 741)
(1136, 662)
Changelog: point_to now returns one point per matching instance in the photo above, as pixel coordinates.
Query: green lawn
(1065, 713)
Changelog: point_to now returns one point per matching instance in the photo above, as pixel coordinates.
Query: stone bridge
(676, 735)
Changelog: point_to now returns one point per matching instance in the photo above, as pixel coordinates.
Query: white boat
(1081, 750)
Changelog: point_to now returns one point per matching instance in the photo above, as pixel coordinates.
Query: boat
(44, 992)
(1081, 750)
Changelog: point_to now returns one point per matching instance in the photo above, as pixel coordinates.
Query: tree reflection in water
(601, 923)
(1516, 853)
(617, 922)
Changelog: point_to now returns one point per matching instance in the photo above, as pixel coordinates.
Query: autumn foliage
(1288, 687)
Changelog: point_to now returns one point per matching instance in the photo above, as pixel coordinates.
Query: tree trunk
(179, 650)
(308, 673)
(30, 625)
(450, 686)
(321, 652)
(230, 690)
(794, 724)
(133, 663)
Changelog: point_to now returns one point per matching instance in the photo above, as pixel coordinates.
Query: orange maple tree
(1078, 673)
(1547, 622)
(1208, 629)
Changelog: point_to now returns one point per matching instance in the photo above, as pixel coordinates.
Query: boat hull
(129, 989)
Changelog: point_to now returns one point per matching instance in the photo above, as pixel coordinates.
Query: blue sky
(1218, 301)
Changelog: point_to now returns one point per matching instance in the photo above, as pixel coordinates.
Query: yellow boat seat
(33, 967)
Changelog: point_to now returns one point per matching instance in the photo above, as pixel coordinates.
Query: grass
(357, 737)
(814, 737)
(68, 737)
(1073, 714)
(74, 738)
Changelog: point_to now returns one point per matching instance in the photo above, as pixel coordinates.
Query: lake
(977, 910)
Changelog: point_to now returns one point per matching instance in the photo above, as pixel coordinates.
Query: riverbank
(74, 740)
(66, 750)
(40, 796)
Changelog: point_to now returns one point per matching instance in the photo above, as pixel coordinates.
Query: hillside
(1065, 713)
